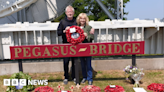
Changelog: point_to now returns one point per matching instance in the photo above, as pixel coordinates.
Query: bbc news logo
(23, 82)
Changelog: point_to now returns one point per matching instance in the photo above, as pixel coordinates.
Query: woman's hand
(92, 31)
(85, 34)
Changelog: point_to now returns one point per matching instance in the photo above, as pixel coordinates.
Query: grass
(101, 79)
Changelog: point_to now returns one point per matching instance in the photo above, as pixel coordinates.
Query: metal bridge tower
(119, 4)
(118, 11)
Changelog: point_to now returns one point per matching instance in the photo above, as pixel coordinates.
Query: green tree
(93, 10)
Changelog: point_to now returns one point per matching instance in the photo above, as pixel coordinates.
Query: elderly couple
(82, 21)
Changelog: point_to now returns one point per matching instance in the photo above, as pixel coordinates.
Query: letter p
(17, 50)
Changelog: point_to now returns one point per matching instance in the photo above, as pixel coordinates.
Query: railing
(152, 32)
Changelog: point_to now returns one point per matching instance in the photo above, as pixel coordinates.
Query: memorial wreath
(91, 88)
(114, 89)
(75, 35)
(156, 87)
(44, 89)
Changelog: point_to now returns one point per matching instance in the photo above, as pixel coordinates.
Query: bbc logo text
(23, 82)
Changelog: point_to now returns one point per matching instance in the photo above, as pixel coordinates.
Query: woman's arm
(90, 36)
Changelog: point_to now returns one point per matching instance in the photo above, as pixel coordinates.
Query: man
(64, 25)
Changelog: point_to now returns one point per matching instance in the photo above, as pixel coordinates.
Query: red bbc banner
(80, 50)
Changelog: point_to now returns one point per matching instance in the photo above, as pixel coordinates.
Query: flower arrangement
(90, 88)
(134, 73)
(114, 89)
(79, 31)
(44, 89)
(26, 88)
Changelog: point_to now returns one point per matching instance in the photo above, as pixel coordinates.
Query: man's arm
(60, 29)
(92, 31)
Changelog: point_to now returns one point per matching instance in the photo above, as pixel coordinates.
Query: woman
(82, 20)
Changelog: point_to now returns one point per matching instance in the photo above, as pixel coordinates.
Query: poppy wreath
(156, 87)
(77, 40)
(44, 89)
(115, 89)
(91, 88)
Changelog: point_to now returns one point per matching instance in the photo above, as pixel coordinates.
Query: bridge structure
(12, 11)
(150, 31)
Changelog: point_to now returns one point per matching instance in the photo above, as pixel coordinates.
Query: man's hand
(92, 31)
(85, 34)
(66, 29)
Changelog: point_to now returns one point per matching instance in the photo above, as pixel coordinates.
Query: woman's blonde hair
(82, 15)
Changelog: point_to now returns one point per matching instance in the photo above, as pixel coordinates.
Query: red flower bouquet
(90, 88)
(156, 87)
(44, 89)
(114, 89)
(78, 31)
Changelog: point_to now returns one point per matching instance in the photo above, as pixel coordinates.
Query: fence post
(77, 70)
(133, 60)
(20, 65)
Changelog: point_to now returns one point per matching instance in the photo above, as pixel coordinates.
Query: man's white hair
(69, 6)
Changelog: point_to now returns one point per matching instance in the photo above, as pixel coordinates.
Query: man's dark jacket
(62, 25)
